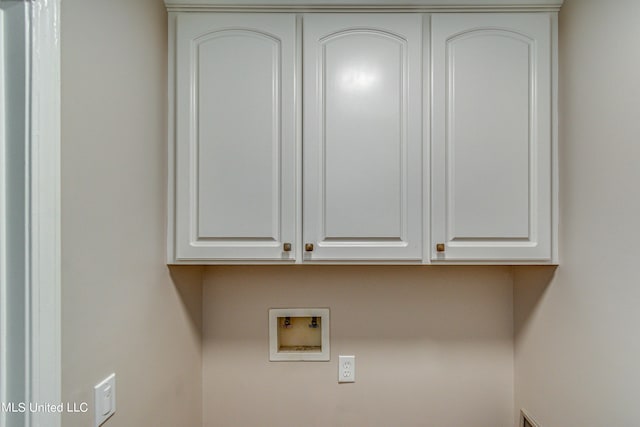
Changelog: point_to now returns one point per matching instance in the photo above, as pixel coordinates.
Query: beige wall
(122, 312)
(433, 347)
(577, 347)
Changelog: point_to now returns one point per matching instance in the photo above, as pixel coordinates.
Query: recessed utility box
(299, 334)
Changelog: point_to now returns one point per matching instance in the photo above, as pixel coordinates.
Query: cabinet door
(235, 151)
(362, 136)
(491, 137)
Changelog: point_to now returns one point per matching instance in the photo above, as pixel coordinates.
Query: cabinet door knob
(308, 247)
(440, 247)
(287, 247)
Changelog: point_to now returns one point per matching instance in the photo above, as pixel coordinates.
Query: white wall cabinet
(235, 153)
(362, 136)
(410, 137)
(491, 137)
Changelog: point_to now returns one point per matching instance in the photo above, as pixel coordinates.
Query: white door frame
(45, 250)
(42, 212)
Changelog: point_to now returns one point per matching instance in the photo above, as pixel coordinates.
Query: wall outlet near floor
(104, 398)
(346, 369)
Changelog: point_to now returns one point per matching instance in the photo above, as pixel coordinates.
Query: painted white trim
(3, 232)
(555, 174)
(14, 272)
(427, 78)
(524, 415)
(299, 254)
(171, 138)
(367, 5)
(44, 334)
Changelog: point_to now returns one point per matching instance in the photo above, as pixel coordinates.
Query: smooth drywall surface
(433, 347)
(577, 346)
(124, 311)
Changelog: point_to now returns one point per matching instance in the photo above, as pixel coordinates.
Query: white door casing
(14, 274)
(30, 204)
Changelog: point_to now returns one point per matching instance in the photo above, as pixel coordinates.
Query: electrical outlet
(346, 369)
(104, 395)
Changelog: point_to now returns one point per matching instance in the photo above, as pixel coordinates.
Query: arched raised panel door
(235, 143)
(491, 137)
(362, 136)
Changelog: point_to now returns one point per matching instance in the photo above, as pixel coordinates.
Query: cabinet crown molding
(366, 5)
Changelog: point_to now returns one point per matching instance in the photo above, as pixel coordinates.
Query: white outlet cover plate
(346, 369)
(104, 398)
